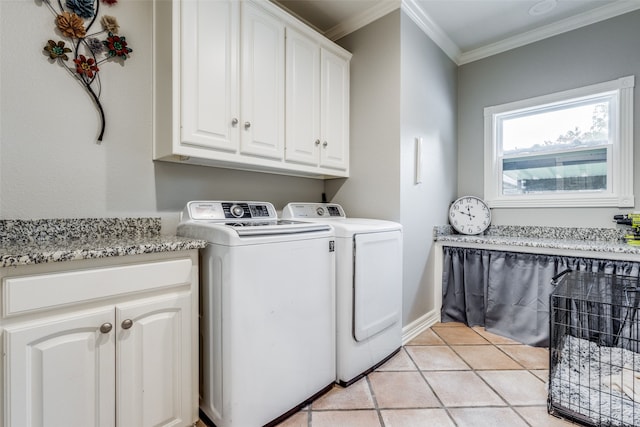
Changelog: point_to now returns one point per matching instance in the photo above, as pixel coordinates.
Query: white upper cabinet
(303, 99)
(209, 43)
(231, 90)
(262, 80)
(317, 103)
(334, 117)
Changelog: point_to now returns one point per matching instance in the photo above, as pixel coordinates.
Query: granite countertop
(603, 240)
(24, 242)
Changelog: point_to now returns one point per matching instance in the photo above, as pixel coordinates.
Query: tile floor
(449, 375)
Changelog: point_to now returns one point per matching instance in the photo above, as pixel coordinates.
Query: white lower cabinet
(153, 362)
(61, 371)
(126, 359)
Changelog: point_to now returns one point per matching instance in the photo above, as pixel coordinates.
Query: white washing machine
(267, 321)
(368, 287)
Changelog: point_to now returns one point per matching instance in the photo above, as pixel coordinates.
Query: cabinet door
(154, 362)
(334, 119)
(302, 99)
(61, 372)
(209, 74)
(262, 83)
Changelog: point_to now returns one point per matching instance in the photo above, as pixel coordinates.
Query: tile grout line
(504, 399)
(375, 401)
(421, 372)
(475, 372)
(413, 367)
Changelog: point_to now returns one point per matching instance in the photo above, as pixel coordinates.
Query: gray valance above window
(508, 292)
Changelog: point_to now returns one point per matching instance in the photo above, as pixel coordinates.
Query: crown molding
(352, 24)
(431, 29)
(550, 30)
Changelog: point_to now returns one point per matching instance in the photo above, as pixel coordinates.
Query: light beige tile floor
(449, 375)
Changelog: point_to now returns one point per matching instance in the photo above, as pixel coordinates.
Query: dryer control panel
(313, 210)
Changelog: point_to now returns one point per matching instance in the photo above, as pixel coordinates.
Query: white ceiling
(466, 30)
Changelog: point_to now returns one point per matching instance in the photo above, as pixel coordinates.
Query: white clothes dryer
(267, 321)
(368, 287)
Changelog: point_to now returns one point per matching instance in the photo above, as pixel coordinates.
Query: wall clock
(469, 215)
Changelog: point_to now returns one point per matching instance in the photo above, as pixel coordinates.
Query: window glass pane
(572, 148)
(582, 123)
(580, 170)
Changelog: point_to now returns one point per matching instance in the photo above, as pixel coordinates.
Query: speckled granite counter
(604, 241)
(24, 242)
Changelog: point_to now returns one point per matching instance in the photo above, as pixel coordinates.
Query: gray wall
(373, 189)
(50, 164)
(402, 87)
(428, 110)
(596, 53)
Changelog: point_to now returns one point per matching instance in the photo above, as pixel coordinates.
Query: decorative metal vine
(74, 20)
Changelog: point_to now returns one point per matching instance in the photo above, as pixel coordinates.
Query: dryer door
(377, 291)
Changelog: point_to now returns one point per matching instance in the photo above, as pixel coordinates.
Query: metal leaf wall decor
(81, 52)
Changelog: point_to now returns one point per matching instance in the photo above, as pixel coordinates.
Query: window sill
(564, 201)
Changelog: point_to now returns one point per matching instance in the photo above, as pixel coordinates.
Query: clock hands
(468, 213)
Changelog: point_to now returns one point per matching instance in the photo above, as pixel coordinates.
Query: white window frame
(620, 191)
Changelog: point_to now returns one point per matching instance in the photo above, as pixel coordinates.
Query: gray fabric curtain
(508, 292)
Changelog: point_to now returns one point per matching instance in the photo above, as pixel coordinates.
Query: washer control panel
(219, 210)
(313, 210)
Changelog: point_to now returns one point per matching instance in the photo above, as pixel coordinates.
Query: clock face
(469, 215)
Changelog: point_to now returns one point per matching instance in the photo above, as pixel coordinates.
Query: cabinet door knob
(127, 324)
(234, 122)
(247, 125)
(324, 144)
(106, 328)
(317, 142)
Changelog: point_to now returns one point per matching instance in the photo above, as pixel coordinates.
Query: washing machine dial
(320, 211)
(237, 211)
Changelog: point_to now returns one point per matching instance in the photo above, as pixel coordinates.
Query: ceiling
(466, 30)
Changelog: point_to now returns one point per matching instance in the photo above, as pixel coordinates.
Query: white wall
(402, 87)
(600, 52)
(50, 164)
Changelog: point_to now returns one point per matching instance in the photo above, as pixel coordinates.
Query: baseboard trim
(419, 325)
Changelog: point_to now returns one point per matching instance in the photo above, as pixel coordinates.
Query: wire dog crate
(594, 360)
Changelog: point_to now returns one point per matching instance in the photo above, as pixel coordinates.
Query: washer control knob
(320, 211)
(237, 211)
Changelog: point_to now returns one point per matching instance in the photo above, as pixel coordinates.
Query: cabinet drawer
(38, 292)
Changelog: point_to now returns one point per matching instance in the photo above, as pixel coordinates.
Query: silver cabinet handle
(127, 324)
(234, 122)
(317, 142)
(324, 144)
(247, 125)
(106, 328)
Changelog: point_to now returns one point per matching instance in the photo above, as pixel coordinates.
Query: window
(572, 148)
